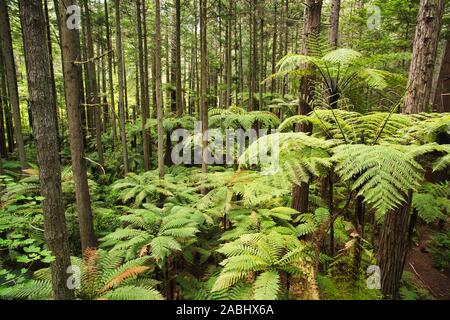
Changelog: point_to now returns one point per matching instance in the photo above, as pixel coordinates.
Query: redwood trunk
(393, 248)
(46, 134)
(442, 97)
(7, 49)
(73, 85)
(429, 21)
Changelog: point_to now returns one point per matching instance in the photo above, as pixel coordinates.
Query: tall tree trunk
(253, 62)
(73, 85)
(442, 95)
(6, 108)
(178, 93)
(52, 71)
(147, 74)
(3, 110)
(228, 58)
(274, 46)
(203, 81)
(13, 93)
(261, 55)
(392, 249)
(111, 77)
(333, 32)
(120, 76)
(311, 28)
(429, 21)
(92, 88)
(46, 134)
(144, 102)
(159, 106)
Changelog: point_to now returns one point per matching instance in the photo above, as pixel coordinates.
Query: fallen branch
(423, 281)
(91, 60)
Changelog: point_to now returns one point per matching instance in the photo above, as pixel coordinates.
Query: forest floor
(419, 263)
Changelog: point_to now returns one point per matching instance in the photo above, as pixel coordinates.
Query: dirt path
(419, 263)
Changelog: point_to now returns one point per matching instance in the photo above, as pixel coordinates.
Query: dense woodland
(354, 100)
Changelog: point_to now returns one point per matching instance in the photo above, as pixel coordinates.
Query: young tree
(45, 131)
(420, 80)
(73, 86)
(11, 77)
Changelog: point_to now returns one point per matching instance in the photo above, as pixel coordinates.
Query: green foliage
(440, 250)
(102, 276)
(382, 174)
(262, 258)
(411, 289)
(154, 231)
(148, 187)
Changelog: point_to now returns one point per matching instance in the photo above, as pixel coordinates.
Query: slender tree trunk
(442, 95)
(147, 75)
(228, 58)
(52, 71)
(160, 110)
(7, 49)
(203, 81)
(333, 32)
(312, 16)
(144, 103)
(261, 55)
(429, 21)
(6, 108)
(41, 98)
(274, 46)
(73, 84)
(111, 77)
(3, 106)
(179, 93)
(92, 88)
(120, 71)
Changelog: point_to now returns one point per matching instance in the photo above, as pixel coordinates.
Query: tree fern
(382, 174)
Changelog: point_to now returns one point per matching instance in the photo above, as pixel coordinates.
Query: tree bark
(111, 77)
(228, 58)
(203, 81)
(333, 32)
(274, 46)
(442, 95)
(46, 134)
(159, 106)
(8, 56)
(392, 249)
(73, 85)
(429, 21)
(3, 109)
(311, 28)
(178, 93)
(120, 71)
(92, 87)
(144, 101)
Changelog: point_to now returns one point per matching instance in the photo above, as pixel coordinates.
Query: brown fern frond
(123, 276)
